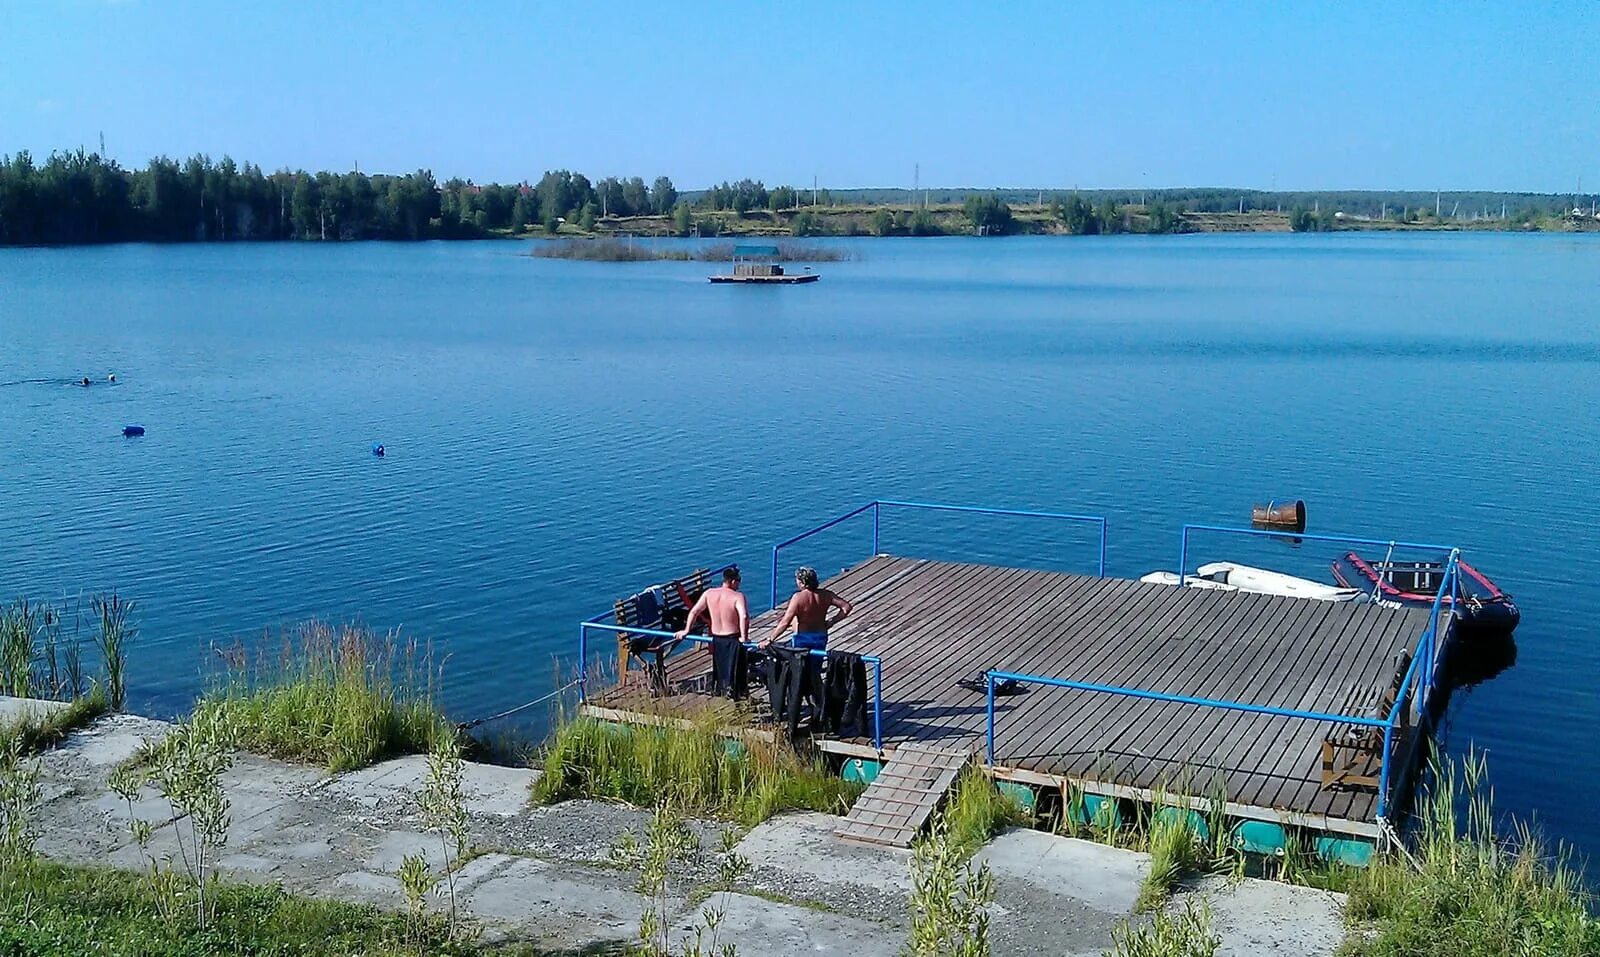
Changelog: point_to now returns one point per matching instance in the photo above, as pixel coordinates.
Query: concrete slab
(395, 846)
(17, 710)
(109, 741)
(763, 928)
(805, 842)
(487, 788)
(1266, 919)
(1056, 894)
(1104, 878)
(563, 904)
(796, 856)
(367, 888)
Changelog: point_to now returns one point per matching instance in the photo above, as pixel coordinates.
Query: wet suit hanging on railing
(793, 676)
(844, 693)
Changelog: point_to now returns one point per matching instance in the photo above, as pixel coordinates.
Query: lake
(559, 433)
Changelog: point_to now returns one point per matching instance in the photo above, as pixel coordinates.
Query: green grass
(1474, 892)
(1175, 851)
(697, 771)
(1185, 933)
(50, 910)
(39, 730)
(976, 812)
(339, 697)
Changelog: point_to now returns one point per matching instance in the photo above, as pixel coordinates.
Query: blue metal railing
(877, 507)
(1424, 661)
(598, 623)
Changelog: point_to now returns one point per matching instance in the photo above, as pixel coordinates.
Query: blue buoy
(132, 430)
(378, 450)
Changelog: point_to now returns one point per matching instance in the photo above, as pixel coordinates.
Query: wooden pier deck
(933, 623)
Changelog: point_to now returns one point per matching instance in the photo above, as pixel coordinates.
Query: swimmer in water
(111, 377)
(85, 381)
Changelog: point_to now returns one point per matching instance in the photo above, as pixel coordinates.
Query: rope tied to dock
(521, 707)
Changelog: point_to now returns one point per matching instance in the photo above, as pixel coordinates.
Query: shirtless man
(730, 613)
(808, 610)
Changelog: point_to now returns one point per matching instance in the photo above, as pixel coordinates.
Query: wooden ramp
(897, 803)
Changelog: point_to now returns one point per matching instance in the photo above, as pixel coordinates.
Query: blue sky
(1292, 95)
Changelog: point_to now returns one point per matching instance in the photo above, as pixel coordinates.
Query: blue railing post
(877, 703)
(583, 662)
(773, 601)
(1102, 548)
(988, 680)
(1183, 555)
(877, 511)
(1383, 774)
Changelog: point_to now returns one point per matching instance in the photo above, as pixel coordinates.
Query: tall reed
(19, 632)
(699, 771)
(115, 631)
(1473, 891)
(337, 696)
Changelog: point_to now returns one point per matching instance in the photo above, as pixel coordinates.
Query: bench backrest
(677, 594)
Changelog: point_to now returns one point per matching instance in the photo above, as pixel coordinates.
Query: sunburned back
(811, 609)
(724, 605)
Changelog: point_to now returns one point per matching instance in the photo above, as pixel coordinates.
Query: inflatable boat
(1485, 609)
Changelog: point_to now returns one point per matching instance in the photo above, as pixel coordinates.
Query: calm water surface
(559, 432)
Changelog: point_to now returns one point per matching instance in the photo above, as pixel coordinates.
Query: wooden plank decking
(933, 623)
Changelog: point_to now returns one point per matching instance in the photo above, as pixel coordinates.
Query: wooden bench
(1352, 754)
(677, 596)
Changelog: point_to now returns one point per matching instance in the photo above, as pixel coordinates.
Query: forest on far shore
(80, 197)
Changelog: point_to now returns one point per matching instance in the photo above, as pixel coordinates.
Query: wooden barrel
(1280, 513)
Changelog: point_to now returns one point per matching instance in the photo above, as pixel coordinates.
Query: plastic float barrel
(1260, 837)
(861, 770)
(1193, 820)
(1347, 851)
(1280, 513)
(1021, 795)
(1094, 810)
(132, 430)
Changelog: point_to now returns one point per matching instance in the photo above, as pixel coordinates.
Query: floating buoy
(378, 450)
(1280, 513)
(132, 430)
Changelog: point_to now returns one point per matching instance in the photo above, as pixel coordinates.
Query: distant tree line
(81, 197)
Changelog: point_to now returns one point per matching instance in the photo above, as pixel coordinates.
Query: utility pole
(916, 182)
(813, 190)
(1435, 204)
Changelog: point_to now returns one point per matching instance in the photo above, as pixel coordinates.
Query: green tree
(882, 222)
(682, 219)
(922, 223)
(782, 197)
(989, 214)
(663, 197)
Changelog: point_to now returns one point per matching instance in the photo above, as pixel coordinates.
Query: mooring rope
(522, 707)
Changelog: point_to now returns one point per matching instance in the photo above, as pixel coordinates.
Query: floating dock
(1303, 713)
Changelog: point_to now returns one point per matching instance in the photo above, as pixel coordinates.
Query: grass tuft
(56, 909)
(339, 697)
(978, 811)
(1473, 891)
(1184, 933)
(1175, 851)
(698, 771)
(39, 730)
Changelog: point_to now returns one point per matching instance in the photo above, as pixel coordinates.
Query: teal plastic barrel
(1095, 810)
(1344, 850)
(861, 770)
(1022, 795)
(1260, 837)
(1194, 820)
